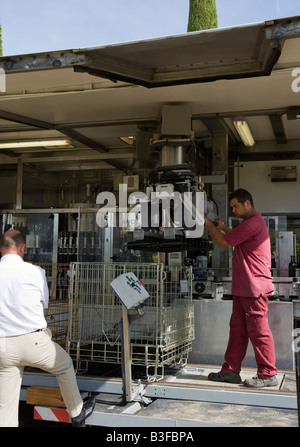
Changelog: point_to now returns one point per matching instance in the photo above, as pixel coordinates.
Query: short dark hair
(241, 195)
(12, 239)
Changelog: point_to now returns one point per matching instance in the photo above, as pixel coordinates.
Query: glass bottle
(292, 266)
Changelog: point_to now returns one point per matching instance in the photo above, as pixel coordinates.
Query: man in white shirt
(24, 337)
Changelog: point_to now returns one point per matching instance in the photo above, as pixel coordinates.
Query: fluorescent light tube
(34, 143)
(244, 132)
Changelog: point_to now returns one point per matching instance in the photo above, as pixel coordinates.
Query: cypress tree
(202, 15)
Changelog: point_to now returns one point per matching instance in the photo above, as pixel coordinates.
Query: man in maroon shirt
(251, 289)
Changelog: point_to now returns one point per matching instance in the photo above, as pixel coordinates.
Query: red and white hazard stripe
(51, 414)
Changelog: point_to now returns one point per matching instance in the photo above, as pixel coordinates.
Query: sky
(34, 26)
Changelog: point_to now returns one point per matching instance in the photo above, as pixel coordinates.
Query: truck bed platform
(185, 398)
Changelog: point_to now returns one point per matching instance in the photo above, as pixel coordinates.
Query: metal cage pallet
(161, 336)
(57, 314)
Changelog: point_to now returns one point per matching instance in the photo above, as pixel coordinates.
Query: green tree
(202, 15)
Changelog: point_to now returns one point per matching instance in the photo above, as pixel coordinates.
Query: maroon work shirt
(251, 275)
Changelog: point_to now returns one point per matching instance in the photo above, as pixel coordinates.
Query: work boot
(87, 410)
(256, 382)
(221, 376)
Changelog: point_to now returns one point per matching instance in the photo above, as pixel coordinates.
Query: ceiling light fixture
(128, 140)
(293, 113)
(244, 132)
(34, 143)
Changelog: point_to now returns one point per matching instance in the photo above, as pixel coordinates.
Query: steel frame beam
(165, 390)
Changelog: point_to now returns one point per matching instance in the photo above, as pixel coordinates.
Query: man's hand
(206, 221)
(215, 231)
(219, 224)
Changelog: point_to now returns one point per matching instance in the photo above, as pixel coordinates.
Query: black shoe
(87, 410)
(225, 377)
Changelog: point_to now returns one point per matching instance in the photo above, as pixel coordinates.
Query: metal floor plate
(202, 403)
(216, 414)
(186, 398)
(198, 375)
(191, 383)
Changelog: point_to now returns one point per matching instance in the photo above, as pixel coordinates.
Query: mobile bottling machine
(166, 224)
(159, 235)
(156, 234)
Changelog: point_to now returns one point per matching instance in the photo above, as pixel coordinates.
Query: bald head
(12, 242)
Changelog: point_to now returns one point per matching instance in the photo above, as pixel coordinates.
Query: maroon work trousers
(249, 321)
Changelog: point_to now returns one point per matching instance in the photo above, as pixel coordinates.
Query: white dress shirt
(24, 295)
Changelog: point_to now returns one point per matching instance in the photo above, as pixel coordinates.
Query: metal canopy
(225, 53)
(95, 96)
(196, 57)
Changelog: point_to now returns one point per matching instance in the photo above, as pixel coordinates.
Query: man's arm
(215, 231)
(44, 289)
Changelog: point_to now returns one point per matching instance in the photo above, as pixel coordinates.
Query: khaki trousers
(36, 350)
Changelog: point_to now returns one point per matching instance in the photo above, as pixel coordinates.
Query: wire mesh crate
(58, 279)
(161, 335)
